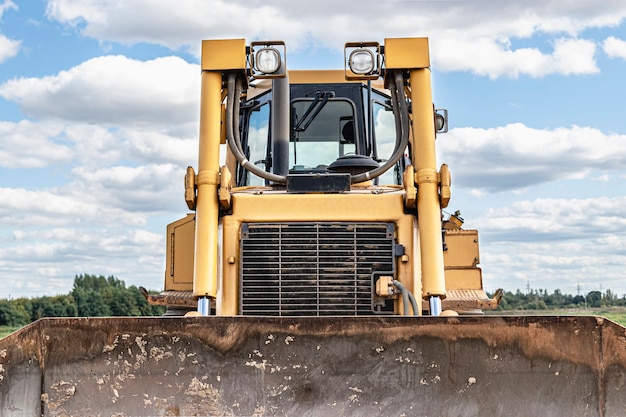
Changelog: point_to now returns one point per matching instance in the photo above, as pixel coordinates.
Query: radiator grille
(312, 269)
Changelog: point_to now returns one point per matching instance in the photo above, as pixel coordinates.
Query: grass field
(5, 330)
(616, 317)
(617, 314)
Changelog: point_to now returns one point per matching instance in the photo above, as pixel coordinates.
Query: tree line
(99, 296)
(91, 296)
(542, 300)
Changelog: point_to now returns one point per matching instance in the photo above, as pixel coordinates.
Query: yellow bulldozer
(317, 274)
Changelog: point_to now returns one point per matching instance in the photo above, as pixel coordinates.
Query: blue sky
(98, 120)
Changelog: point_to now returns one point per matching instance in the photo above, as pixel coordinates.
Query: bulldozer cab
(325, 124)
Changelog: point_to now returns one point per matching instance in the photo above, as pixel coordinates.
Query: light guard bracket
(375, 49)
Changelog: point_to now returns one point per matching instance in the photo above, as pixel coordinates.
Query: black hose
(236, 107)
(232, 132)
(401, 113)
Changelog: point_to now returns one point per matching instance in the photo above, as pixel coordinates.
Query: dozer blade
(245, 366)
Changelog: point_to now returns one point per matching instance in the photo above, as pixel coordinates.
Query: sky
(99, 106)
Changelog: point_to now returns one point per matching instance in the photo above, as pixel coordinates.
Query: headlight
(361, 61)
(267, 60)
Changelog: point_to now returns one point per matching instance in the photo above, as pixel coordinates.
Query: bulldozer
(318, 273)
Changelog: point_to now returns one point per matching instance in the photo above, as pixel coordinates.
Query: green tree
(13, 313)
(91, 296)
(100, 296)
(594, 299)
(57, 306)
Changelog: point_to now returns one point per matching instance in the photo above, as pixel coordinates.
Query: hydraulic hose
(407, 297)
(401, 113)
(232, 132)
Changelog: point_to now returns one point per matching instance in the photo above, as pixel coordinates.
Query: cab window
(321, 132)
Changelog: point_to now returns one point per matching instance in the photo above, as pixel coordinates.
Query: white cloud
(99, 146)
(142, 189)
(487, 56)
(27, 144)
(117, 195)
(158, 22)
(20, 207)
(55, 255)
(113, 90)
(614, 48)
(74, 244)
(8, 48)
(517, 156)
(6, 5)
(555, 243)
(159, 147)
(560, 265)
(556, 218)
(468, 36)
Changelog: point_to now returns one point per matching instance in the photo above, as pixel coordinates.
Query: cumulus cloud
(182, 26)
(565, 265)
(49, 143)
(555, 219)
(486, 56)
(614, 48)
(53, 255)
(517, 156)
(73, 244)
(146, 188)
(21, 207)
(8, 48)
(98, 223)
(159, 147)
(119, 132)
(113, 90)
(465, 34)
(107, 196)
(26, 144)
(554, 243)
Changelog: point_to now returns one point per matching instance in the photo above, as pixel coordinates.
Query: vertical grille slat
(312, 269)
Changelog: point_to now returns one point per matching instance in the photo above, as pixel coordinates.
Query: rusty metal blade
(423, 366)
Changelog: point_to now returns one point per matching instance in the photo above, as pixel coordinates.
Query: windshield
(319, 140)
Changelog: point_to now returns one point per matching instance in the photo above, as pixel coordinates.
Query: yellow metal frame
(180, 254)
(223, 55)
(282, 207)
(215, 243)
(461, 260)
(407, 53)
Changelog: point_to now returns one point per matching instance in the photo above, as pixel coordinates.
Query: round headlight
(267, 60)
(361, 61)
